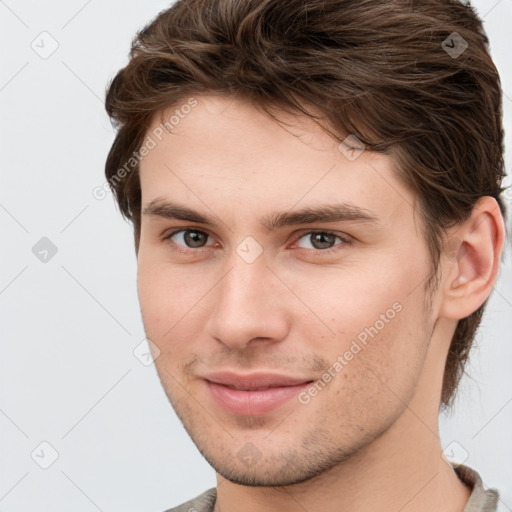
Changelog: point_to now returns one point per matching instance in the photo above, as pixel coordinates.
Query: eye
(322, 241)
(188, 239)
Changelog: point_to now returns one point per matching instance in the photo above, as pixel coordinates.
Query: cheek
(175, 304)
(376, 369)
(375, 322)
(350, 299)
(164, 297)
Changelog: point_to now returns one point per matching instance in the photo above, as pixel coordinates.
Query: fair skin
(371, 435)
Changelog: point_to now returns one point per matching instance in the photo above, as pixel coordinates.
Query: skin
(295, 309)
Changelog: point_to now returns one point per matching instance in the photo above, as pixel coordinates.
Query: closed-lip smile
(253, 394)
(256, 380)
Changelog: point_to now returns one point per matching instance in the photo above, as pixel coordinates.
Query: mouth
(253, 395)
(251, 389)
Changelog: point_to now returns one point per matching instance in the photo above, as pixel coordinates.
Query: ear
(471, 260)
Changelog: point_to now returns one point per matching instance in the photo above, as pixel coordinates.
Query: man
(315, 192)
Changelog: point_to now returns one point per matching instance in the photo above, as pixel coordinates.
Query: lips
(254, 394)
(255, 381)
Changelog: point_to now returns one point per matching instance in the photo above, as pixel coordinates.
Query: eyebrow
(324, 213)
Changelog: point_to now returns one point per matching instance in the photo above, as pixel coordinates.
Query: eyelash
(320, 252)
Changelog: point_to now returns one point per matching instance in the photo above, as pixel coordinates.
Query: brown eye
(191, 238)
(322, 240)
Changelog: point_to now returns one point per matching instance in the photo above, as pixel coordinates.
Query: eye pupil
(317, 237)
(194, 239)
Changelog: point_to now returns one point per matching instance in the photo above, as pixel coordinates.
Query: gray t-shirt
(481, 500)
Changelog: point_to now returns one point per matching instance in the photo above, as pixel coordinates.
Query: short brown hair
(383, 70)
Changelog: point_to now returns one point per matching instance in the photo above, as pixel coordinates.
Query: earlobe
(472, 273)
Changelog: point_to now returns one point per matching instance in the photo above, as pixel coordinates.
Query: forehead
(224, 150)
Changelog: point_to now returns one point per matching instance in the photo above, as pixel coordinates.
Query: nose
(250, 305)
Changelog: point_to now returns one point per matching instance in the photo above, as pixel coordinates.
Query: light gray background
(69, 326)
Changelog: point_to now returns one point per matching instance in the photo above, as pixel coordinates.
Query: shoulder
(204, 502)
(481, 499)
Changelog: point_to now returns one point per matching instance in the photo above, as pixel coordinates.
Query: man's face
(344, 309)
